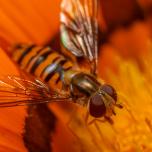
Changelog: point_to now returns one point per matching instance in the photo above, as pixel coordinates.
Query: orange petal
(29, 21)
(12, 119)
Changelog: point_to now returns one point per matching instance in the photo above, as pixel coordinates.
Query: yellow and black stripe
(42, 62)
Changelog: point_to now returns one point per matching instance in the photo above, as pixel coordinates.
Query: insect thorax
(82, 83)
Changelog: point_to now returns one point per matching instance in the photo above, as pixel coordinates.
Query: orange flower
(119, 64)
(29, 21)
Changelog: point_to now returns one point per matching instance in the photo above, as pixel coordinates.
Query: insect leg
(126, 106)
(149, 123)
(72, 115)
(86, 118)
(109, 120)
(93, 136)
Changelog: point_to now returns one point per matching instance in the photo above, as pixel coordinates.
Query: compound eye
(97, 107)
(110, 91)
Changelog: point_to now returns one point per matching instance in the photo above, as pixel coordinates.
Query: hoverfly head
(102, 102)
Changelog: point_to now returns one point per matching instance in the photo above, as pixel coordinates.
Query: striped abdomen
(42, 62)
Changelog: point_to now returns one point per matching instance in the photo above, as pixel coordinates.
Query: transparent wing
(79, 29)
(16, 91)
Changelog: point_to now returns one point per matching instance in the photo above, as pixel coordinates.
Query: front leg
(109, 120)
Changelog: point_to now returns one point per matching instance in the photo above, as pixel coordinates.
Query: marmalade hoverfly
(79, 34)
